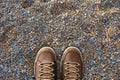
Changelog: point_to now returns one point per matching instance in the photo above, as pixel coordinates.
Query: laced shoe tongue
(47, 75)
(71, 69)
(46, 64)
(73, 75)
(46, 69)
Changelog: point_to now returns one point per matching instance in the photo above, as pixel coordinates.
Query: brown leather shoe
(72, 64)
(45, 65)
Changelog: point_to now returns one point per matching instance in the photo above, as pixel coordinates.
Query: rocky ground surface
(91, 25)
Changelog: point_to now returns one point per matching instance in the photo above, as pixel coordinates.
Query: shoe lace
(46, 71)
(72, 71)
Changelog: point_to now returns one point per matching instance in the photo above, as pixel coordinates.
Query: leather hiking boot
(71, 64)
(45, 65)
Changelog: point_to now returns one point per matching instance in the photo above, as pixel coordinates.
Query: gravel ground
(91, 25)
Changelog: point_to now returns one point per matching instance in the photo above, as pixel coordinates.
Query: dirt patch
(58, 7)
(4, 36)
